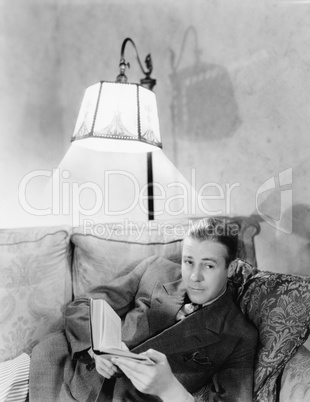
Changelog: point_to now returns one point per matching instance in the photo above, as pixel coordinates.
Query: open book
(106, 332)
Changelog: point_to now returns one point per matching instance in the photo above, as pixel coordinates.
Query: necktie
(187, 309)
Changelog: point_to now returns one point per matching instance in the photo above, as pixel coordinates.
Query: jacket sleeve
(232, 385)
(234, 381)
(119, 293)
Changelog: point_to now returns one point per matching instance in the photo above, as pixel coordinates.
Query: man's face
(204, 269)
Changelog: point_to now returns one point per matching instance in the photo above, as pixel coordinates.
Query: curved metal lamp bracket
(147, 81)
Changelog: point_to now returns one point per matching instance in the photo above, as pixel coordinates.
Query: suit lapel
(166, 301)
(199, 329)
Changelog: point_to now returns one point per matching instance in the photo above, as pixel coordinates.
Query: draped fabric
(14, 379)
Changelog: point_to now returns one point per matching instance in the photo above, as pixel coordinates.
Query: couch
(44, 268)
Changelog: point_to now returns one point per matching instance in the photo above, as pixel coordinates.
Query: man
(213, 344)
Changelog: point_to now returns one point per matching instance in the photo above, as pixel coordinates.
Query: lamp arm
(147, 81)
(148, 60)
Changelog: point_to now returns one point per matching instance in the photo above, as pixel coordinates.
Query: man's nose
(196, 275)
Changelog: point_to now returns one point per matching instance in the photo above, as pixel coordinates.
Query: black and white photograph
(155, 202)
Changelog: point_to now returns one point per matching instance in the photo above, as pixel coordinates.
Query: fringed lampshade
(124, 113)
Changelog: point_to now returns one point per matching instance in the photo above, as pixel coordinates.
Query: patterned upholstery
(278, 305)
(35, 286)
(295, 384)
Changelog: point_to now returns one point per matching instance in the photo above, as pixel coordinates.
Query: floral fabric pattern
(295, 384)
(278, 305)
(35, 286)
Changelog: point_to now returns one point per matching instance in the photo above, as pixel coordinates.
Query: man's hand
(104, 366)
(156, 379)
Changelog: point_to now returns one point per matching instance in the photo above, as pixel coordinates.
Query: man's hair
(217, 230)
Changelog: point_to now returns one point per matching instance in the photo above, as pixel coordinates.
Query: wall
(233, 101)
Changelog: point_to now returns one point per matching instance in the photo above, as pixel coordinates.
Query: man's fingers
(134, 371)
(104, 367)
(154, 355)
(105, 362)
(128, 363)
(131, 368)
(106, 372)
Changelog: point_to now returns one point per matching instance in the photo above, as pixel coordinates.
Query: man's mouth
(197, 289)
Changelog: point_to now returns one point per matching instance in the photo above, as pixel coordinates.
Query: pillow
(109, 251)
(278, 305)
(105, 251)
(295, 381)
(35, 285)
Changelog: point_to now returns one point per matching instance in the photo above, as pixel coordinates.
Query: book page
(106, 332)
(106, 325)
(111, 336)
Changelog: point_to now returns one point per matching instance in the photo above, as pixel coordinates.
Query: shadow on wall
(203, 105)
(284, 242)
(286, 252)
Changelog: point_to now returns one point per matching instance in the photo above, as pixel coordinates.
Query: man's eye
(208, 266)
(188, 262)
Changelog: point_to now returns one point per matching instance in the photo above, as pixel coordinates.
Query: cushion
(35, 285)
(278, 305)
(106, 251)
(295, 381)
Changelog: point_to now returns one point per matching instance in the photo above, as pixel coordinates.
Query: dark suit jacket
(215, 343)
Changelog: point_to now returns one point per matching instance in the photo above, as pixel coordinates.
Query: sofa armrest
(295, 383)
